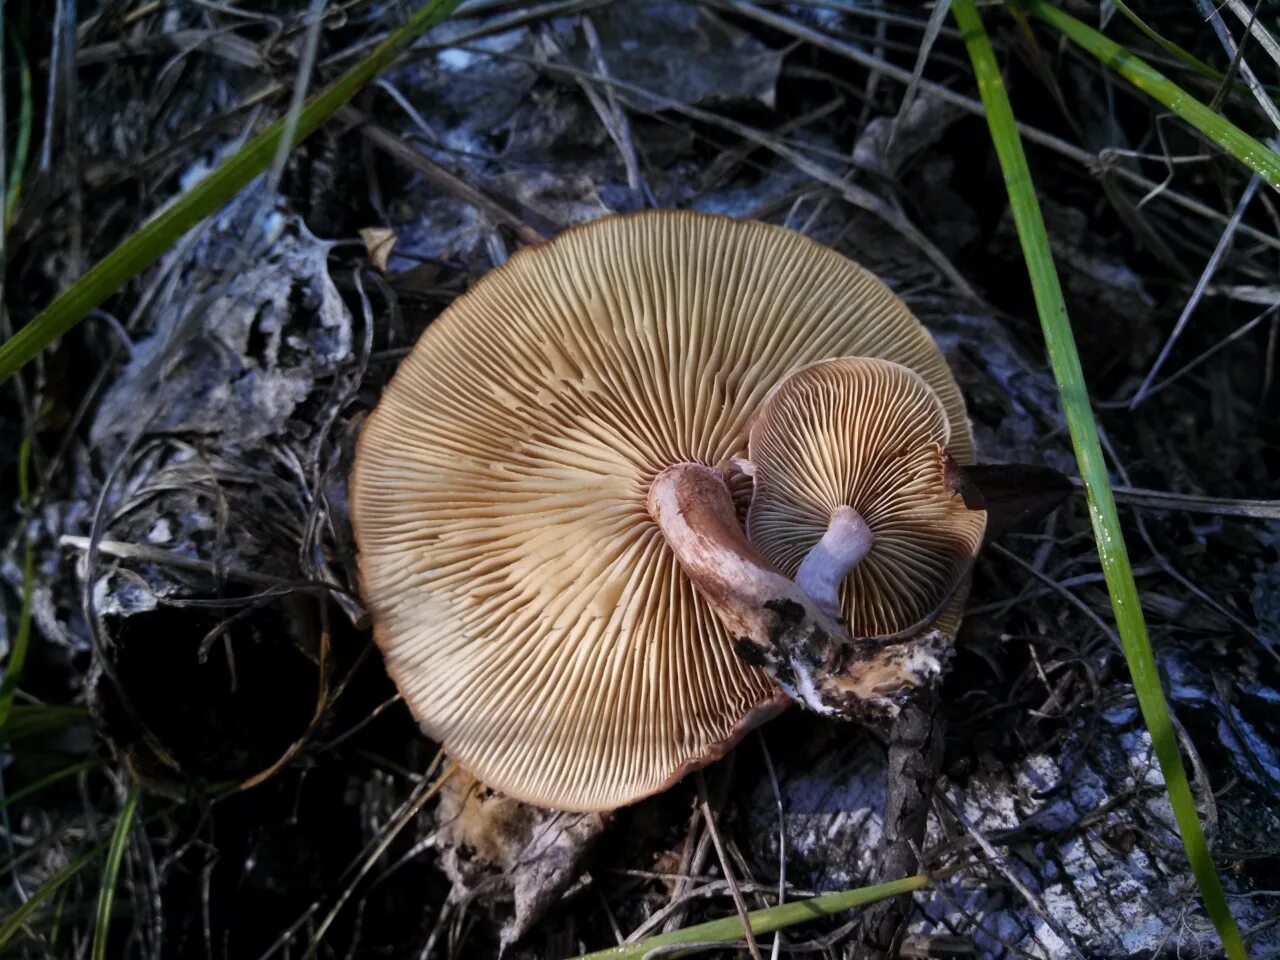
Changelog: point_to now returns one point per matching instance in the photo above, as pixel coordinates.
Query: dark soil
(193, 595)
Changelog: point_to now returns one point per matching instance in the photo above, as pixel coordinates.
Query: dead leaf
(378, 242)
(514, 858)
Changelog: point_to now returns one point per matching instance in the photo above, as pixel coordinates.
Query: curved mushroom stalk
(856, 494)
(848, 539)
(692, 506)
(776, 624)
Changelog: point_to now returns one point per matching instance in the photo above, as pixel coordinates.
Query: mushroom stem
(693, 507)
(774, 623)
(848, 539)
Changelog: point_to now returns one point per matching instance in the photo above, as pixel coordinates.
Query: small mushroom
(857, 497)
(551, 548)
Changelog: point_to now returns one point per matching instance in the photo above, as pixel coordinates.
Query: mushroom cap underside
(869, 434)
(527, 606)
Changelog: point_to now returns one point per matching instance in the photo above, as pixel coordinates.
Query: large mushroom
(550, 519)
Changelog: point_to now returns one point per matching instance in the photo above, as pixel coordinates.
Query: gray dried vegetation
(191, 442)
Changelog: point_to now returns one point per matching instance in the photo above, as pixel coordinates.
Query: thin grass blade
(20, 148)
(1168, 46)
(20, 917)
(173, 220)
(26, 720)
(765, 921)
(936, 19)
(1084, 437)
(1249, 151)
(48, 781)
(111, 872)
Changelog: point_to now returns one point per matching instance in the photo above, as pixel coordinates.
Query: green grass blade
(176, 218)
(1253, 153)
(55, 928)
(19, 162)
(22, 636)
(111, 872)
(56, 777)
(1084, 437)
(765, 921)
(1168, 46)
(27, 720)
(22, 915)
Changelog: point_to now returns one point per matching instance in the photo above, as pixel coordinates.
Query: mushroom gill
(528, 605)
(862, 437)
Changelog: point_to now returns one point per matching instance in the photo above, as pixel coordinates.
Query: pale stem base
(848, 539)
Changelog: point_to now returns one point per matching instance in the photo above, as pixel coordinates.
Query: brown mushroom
(857, 497)
(541, 505)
